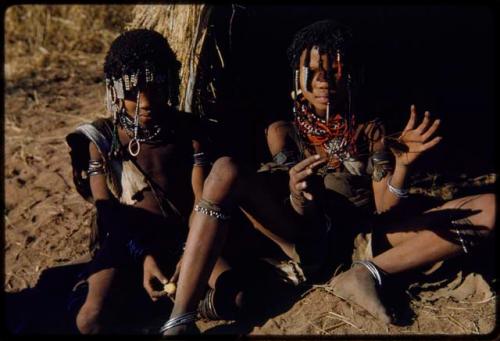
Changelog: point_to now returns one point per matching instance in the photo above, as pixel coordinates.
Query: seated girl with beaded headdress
(143, 168)
(364, 171)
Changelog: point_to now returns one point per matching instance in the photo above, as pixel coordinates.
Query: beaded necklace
(143, 134)
(335, 137)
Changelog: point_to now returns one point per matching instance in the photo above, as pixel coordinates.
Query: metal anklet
(212, 210)
(372, 269)
(179, 320)
(459, 224)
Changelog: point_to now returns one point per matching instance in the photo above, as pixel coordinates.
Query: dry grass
(185, 28)
(38, 35)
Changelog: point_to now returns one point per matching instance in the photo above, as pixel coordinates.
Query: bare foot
(357, 285)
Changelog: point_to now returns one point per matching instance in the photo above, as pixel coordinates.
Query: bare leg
(204, 243)
(412, 250)
(426, 246)
(88, 318)
(277, 136)
(207, 234)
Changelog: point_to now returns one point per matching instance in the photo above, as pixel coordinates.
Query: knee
(484, 206)
(223, 175)
(276, 134)
(87, 320)
(486, 203)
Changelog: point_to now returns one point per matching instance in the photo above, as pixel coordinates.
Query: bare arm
(98, 185)
(199, 173)
(107, 213)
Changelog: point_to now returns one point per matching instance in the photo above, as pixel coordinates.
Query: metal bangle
(372, 269)
(456, 223)
(96, 167)
(398, 192)
(179, 320)
(200, 159)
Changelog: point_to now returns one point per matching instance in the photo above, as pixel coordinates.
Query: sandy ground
(47, 222)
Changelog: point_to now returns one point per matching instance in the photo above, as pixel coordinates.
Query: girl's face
(319, 92)
(152, 103)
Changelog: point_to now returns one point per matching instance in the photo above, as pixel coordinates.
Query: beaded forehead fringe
(116, 87)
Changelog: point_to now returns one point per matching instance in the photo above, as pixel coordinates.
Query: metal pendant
(134, 142)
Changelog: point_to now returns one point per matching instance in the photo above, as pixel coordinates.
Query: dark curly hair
(328, 35)
(140, 48)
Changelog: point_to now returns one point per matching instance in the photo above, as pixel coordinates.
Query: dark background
(441, 58)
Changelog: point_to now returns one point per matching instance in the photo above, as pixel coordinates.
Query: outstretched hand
(414, 141)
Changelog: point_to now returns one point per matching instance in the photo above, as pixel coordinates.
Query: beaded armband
(381, 164)
(286, 158)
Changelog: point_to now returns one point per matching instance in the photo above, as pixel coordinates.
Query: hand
(414, 141)
(299, 175)
(153, 273)
(175, 276)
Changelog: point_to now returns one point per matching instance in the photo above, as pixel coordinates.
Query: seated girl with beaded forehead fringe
(143, 169)
(325, 127)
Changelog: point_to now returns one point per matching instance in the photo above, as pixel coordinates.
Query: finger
(157, 294)
(305, 163)
(301, 186)
(300, 176)
(308, 196)
(161, 277)
(317, 163)
(149, 289)
(431, 143)
(431, 130)
(175, 276)
(425, 122)
(411, 121)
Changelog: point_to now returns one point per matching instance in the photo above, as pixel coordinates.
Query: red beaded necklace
(335, 137)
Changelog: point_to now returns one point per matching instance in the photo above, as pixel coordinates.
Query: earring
(297, 87)
(339, 72)
(327, 112)
(135, 141)
(306, 77)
